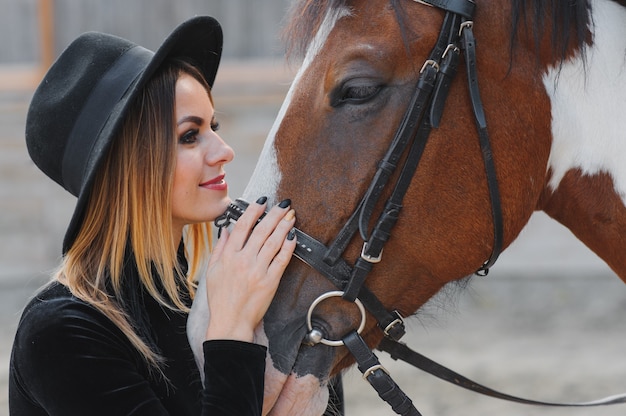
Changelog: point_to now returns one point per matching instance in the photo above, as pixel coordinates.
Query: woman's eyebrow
(192, 119)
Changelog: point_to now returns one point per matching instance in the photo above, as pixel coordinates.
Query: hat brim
(197, 40)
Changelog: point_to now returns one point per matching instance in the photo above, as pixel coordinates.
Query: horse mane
(567, 21)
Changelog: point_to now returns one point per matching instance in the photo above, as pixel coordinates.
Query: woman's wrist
(236, 332)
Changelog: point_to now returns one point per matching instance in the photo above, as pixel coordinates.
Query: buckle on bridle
(423, 2)
(450, 47)
(373, 369)
(389, 328)
(368, 258)
(430, 62)
(467, 24)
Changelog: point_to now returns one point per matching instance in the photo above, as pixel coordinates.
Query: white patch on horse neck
(589, 103)
(267, 175)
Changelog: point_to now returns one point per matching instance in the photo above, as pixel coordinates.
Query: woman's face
(200, 191)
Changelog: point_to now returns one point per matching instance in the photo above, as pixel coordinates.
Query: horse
(534, 123)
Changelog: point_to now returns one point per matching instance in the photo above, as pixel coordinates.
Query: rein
(423, 113)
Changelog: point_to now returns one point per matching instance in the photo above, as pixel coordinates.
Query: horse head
(359, 87)
(362, 61)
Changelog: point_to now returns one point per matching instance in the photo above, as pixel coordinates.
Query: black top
(69, 359)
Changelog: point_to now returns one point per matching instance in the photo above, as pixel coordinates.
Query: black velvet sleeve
(234, 373)
(69, 360)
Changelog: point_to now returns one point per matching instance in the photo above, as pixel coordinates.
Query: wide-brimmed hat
(83, 99)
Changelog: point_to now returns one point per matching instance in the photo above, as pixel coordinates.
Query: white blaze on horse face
(286, 394)
(266, 176)
(589, 103)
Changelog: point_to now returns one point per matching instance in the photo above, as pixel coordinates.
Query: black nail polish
(291, 235)
(261, 200)
(285, 203)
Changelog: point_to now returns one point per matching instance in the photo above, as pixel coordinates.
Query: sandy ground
(547, 323)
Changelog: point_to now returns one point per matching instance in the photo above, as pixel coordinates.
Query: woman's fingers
(283, 257)
(219, 247)
(241, 230)
(275, 241)
(268, 234)
(270, 231)
(245, 270)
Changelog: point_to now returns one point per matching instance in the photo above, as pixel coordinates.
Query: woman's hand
(245, 269)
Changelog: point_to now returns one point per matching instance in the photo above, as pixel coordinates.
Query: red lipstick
(216, 184)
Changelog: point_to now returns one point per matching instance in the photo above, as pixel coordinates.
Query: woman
(131, 133)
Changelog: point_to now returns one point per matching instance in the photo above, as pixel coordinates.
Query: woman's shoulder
(52, 303)
(54, 312)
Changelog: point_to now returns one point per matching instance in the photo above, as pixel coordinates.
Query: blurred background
(547, 323)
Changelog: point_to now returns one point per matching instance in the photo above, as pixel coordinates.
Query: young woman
(132, 134)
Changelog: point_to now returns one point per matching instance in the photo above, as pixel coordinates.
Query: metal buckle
(450, 47)
(423, 2)
(373, 368)
(469, 24)
(395, 322)
(368, 258)
(431, 63)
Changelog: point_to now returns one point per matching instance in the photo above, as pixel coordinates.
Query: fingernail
(285, 203)
(290, 215)
(261, 200)
(291, 235)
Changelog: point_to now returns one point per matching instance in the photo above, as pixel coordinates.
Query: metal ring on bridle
(334, 293)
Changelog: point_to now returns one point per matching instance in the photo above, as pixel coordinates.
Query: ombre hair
(130, 211)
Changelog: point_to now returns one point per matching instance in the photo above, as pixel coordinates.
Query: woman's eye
(215, 125)
(189, 137)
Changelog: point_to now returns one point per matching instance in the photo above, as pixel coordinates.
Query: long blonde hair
(130, 207)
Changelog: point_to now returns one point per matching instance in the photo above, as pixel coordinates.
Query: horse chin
(297, 396)
(291, 394)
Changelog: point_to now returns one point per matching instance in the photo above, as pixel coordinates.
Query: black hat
(82, 100)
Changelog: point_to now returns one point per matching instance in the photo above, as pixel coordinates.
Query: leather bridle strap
(378, 377)
(469, 46)
(399, 351)
(461, 8)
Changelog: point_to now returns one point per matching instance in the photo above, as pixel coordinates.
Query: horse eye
(362, 92)
(354, 94)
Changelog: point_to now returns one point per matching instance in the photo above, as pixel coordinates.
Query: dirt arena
(547, 323)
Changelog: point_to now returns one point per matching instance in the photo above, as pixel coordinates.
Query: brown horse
(552, 78)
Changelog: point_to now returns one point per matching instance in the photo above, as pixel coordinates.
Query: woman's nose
(219, 152)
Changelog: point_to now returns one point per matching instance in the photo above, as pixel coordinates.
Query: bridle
(423, 113)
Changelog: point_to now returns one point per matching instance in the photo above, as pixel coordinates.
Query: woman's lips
(216, 184)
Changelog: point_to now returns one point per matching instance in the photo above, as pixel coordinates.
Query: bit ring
(335, 293)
